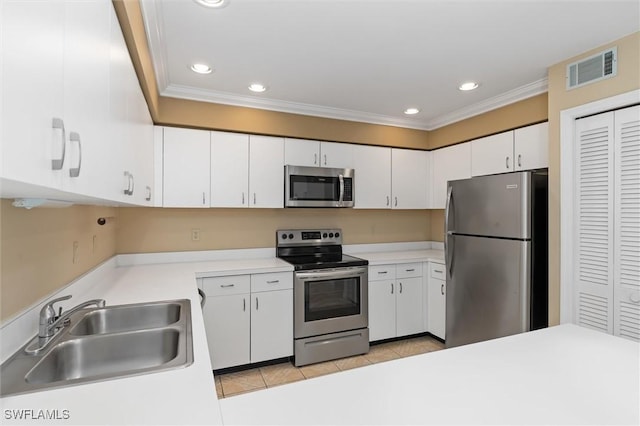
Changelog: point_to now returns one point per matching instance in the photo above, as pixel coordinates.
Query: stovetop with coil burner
(314, 249)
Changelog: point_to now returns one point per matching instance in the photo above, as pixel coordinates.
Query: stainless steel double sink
(105, 343)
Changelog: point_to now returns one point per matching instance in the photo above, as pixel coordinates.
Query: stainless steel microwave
(318, 187)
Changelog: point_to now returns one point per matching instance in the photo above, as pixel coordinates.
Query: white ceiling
(368, 60)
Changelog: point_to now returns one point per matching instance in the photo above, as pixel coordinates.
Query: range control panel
(308, 237)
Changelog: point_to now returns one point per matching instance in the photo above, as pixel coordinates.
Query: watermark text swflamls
(35, 414)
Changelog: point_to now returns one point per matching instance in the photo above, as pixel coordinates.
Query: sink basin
(127, 318)
(102, 344)
(113, 354)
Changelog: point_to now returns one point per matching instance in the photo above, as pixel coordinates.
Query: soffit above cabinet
(370, 60)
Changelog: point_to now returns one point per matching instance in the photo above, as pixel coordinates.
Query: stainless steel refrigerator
(496, 256)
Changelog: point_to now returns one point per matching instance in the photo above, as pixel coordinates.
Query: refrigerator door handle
(448, 248)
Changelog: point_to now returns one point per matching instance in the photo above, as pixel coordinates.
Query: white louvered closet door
(594, 231)
(627, 223)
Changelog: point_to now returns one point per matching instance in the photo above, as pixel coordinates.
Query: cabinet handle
(128, 190)
(506, 160)
(400, 288)
(410, 270)
(244, 304)
(519, 160)
(273, 282)
(438, 271)
(256, 303)
(382, 272)
(75, 171)
(391, 288)
(227, 285)
(133, 183)
(148, 197)
(203, 200)
(634, 297)
(243, 198)
(315, 158)
(58, 124)
(387, 200)
(442, 289)
(396, 201)
(325, 159)
(254, 198)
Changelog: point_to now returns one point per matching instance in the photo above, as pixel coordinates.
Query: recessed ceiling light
(411, 111)
(469, 85)
(257, 87)
(212, 3)
(201, 68)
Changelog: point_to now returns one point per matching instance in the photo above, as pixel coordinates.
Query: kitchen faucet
(49, 322)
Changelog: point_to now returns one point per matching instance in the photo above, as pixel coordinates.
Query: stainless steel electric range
(330, 292)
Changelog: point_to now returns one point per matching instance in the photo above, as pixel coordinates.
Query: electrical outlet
(195, 234)
(75, 252)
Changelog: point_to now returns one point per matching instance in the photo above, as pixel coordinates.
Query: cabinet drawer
(272, 281)
(408, 270)
(382, 272)
(221, 286)
(437, 271)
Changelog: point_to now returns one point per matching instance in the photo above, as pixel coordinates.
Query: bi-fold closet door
(607, 225)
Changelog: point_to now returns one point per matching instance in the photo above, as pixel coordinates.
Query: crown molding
(187, 92)
(512, 96)
(151, 14)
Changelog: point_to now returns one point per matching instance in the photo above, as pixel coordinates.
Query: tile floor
(230, 384)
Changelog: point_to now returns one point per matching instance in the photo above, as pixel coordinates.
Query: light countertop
(402, 256)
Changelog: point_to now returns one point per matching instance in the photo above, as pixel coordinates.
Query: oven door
(318, 187)
(330, 300)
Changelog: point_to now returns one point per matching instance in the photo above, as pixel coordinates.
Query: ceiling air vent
(592, 69)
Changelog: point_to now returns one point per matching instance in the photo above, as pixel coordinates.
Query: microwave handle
(341, 179)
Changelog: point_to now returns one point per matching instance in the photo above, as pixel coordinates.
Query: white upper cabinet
(449, 163)
(229, 169)
(266, 171)
(409, 179)
(302, 152)
(372, 166)
(33, 127)
(186, 164)
(492, 154)
(531, 147)
(523, 149)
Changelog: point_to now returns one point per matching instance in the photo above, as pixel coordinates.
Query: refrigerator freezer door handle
(448, 248)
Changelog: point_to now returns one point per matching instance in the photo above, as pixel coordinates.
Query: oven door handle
(314, 275)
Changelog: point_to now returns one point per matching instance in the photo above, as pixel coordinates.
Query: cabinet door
(409, 179)
(372, 166)
(338, 155)
(266, 172)
(271, 325)
(531, 147)
(409, 306)
(626, 239)
(229, 169)
(382, 309)
(227, 322)
(86, 96)
(449, 163)
(186, 164)
(32, 91)
(492, 154)
(437, 307)
(301, 152)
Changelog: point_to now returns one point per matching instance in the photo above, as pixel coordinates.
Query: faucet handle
(47, 310)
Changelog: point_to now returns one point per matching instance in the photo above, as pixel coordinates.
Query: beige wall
(157, 230)
(627, 79)
(36, 255)
(528, 111)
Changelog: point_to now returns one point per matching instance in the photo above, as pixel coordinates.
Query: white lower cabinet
(248, 318)
(395, 300)
(436, 300)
